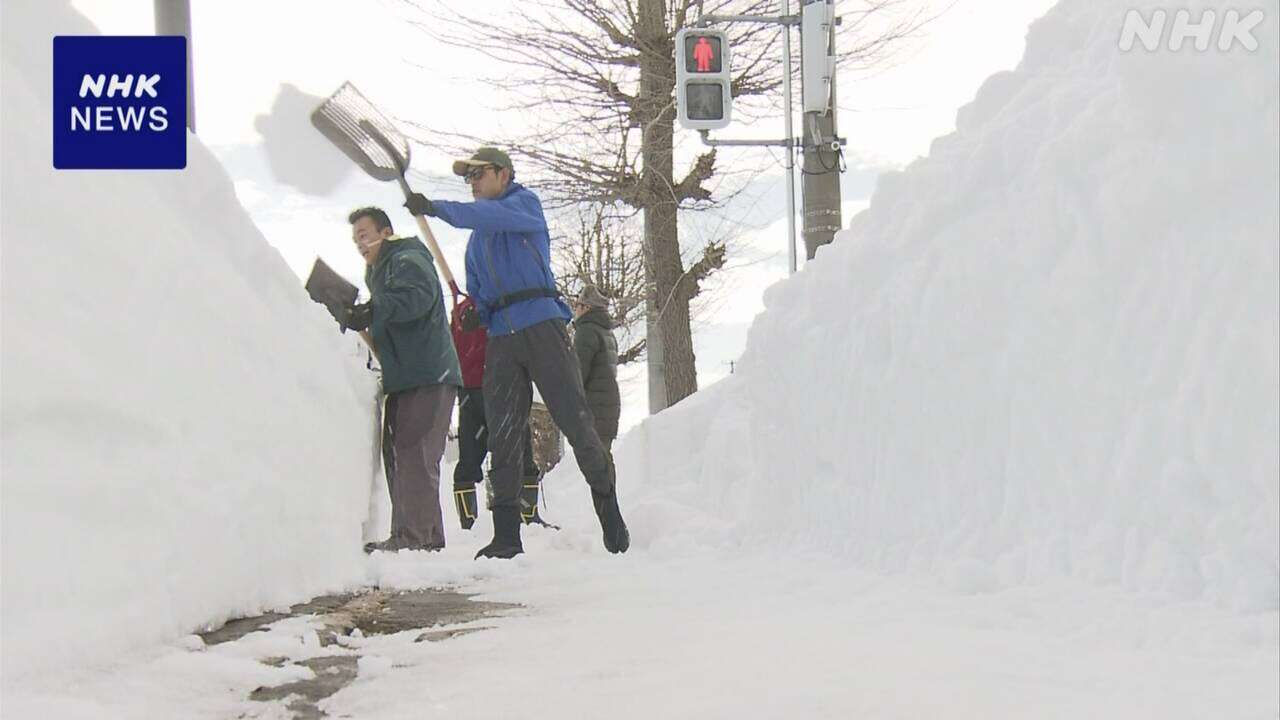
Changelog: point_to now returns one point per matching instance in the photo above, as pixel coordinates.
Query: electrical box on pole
(703, 99)
(818, 62)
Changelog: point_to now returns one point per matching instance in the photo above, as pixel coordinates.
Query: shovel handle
(402, 166)
(429, 238)
(435, 250)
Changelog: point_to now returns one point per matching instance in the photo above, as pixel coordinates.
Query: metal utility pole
(173, 17)
(791, 152)
(654, 357)
(820, 183)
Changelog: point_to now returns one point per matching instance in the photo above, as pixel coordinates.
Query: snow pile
(1050, 349)
(185, 434)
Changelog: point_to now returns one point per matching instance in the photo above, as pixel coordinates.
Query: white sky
(245, 50)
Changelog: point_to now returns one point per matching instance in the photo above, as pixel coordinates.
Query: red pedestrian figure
(703, 54)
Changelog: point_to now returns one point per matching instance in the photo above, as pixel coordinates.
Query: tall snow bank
(1048, 349)
(185, 436)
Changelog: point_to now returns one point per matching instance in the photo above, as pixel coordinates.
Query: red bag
(470, 345)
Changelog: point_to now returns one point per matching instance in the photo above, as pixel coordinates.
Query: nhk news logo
(119, 103)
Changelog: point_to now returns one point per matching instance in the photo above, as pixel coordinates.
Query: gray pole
(820, 184)
(787, 132)
(173, 17)
(655, 362)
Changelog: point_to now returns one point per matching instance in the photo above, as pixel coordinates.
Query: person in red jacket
(470, 339)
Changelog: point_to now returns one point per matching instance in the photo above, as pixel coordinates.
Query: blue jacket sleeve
(513, 213)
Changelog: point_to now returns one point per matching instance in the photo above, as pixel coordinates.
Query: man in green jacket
(407, 322)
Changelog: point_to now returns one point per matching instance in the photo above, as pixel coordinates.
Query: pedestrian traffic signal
(703, 98)
(702, 53)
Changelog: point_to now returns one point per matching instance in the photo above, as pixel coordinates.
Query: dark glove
(469, 319)
(418, 204)
(357, 317)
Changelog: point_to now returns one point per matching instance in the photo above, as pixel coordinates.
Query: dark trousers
(539, 354)
(415, 427)
(473, 441)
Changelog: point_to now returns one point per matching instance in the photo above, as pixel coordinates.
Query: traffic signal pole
(819, 136)
(791, 151)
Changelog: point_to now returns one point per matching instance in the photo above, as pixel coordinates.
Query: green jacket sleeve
(411, 291)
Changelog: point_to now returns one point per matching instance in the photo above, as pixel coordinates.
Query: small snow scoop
(331, 290)
(365, 135)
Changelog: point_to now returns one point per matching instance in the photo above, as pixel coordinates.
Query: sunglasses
(476, 173)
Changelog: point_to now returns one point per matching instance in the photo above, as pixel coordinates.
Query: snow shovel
(330, 289)
(365, 135)
(334, 292)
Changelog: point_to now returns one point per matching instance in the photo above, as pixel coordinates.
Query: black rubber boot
(616, 536)
(464, 499)
(506, 535)
(529, 499)
(529, 491)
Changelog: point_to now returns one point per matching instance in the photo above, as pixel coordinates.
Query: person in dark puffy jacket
(509, 277)
(597, 351)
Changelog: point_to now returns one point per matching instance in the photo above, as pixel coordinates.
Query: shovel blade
(362, 133)
(330, 289)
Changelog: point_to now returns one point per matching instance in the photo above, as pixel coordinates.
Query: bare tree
(597, 79)
(604, 248)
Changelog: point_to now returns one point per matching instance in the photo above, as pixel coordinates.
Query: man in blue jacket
(509, 276)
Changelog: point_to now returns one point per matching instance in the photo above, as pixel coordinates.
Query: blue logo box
(119, 103)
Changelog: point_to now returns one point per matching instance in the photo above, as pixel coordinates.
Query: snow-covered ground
(675, 630)
(1007, 449)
